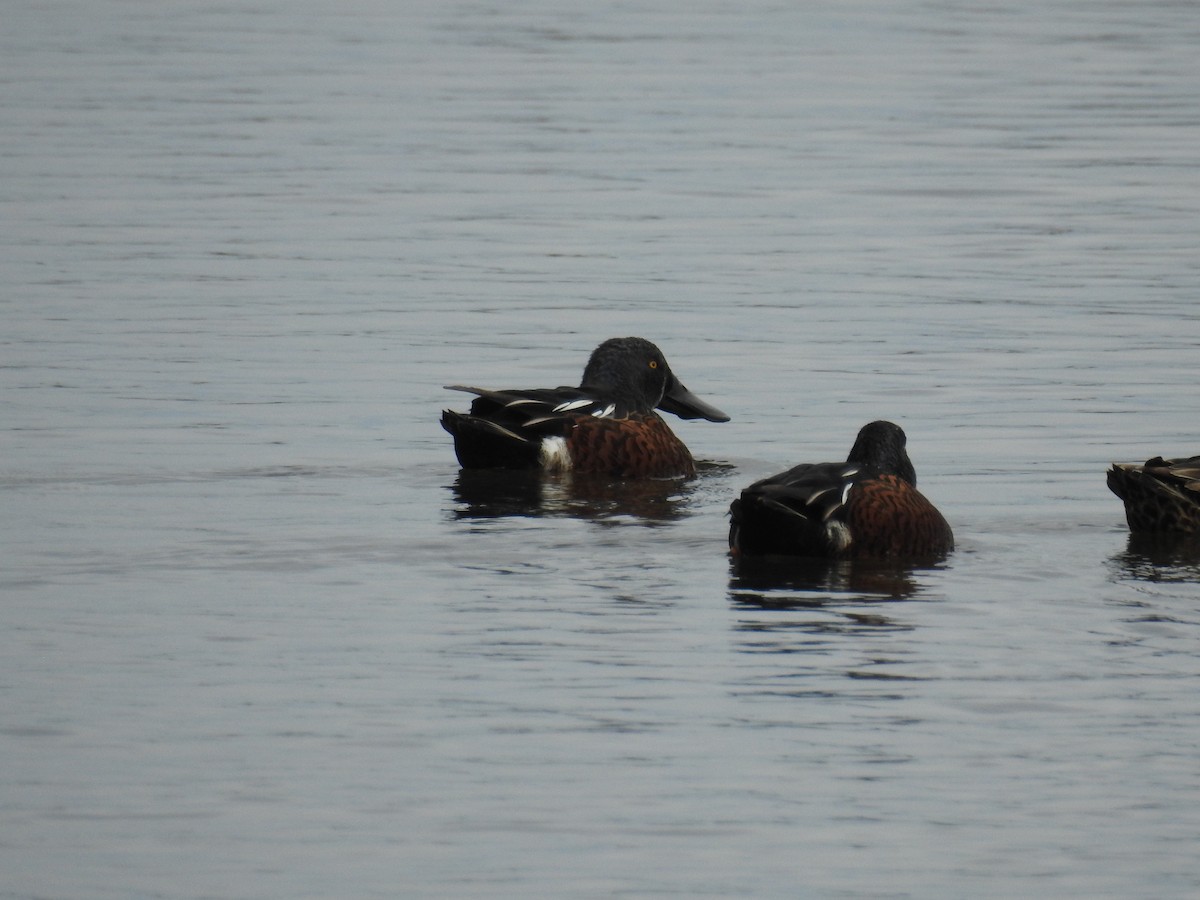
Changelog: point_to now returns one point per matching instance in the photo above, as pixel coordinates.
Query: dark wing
(1183, 472)
(812, 490)
(787, 513)
(505, 429)
(530, 408)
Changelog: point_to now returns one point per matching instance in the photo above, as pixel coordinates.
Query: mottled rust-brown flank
(639, 446)
(888, 517)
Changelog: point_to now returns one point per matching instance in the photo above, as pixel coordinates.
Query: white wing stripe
(572, 404)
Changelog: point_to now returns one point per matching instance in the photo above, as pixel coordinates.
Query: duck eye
(654, 363)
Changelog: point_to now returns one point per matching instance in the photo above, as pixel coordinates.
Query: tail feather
(481, 444)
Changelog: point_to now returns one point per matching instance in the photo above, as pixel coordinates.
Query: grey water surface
(263, 639)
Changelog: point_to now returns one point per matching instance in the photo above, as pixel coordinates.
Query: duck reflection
(816, 625)
(1159, 557)
(493, 493)
(874, 578)
(819, 616)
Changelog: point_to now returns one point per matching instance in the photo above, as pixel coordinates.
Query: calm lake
(263, 639)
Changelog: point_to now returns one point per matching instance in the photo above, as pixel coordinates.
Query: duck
(607, 426)
(865, 507)
(1160, 495)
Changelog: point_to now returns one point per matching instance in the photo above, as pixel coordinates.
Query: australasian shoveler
(606, 426)
(1160, 496)
(866, 507)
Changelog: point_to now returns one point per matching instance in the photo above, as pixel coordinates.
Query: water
(264, 640)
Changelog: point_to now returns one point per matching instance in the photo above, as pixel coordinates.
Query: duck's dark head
(880, 446)
(634, 372)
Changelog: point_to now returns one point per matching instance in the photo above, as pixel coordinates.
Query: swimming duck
(607, 425)
(1162, 495)
(868, 506)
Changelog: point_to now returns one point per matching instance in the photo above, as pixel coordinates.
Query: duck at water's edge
(1162, 496)
(606, 426)
(866, 507)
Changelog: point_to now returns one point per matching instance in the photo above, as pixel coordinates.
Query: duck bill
(681, 402)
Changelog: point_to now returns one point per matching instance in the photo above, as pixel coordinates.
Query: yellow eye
(654, 363)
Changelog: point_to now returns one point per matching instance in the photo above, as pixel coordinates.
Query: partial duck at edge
(1161, 496)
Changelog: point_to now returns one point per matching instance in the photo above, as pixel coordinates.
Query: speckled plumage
(866, 507)
(1160, 496)
(607, 425)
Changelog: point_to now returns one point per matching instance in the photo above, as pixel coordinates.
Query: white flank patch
(554, 455)
(606, 412)
(838, 535)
